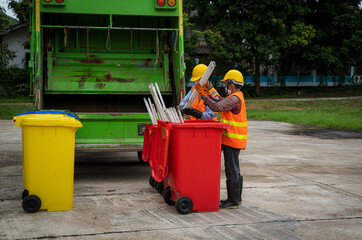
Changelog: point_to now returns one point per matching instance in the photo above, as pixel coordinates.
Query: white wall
(15, 40)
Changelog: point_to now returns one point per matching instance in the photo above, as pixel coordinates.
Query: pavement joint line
(287, 220)
(283, 186)
(317, 183)
(10, 176)
(321, 183)
(330, 186)
(93, 195)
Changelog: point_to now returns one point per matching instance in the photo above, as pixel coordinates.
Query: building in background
(17, 38)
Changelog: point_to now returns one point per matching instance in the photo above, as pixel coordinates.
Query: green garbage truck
(97, 59)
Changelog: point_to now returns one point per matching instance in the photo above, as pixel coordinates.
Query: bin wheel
(152, 181)
(159, 187)
(155, 183)
(31, 203)
(184, 205)
(167, 196)
(139, 154)
(25, 193)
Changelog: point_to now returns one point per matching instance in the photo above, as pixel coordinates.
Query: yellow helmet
(198, 72)
(234, 75)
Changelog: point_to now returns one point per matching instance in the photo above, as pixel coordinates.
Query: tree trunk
(257, 77)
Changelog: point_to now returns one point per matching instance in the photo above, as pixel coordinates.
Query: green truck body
(97, 59)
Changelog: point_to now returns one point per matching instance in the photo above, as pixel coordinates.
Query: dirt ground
(299, 183)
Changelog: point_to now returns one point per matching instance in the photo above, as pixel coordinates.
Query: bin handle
(166, 171)
(17, 121)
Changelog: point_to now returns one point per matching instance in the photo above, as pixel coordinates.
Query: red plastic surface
(194, 162)
(159, 152)
(147, 138)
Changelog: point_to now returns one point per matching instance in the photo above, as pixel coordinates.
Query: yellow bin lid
(49, 118)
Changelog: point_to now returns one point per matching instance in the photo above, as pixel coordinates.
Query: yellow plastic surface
(48, 158)
(46, 120)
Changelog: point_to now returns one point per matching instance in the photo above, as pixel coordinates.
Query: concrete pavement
(299, 184)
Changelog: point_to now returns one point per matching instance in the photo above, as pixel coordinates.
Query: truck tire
(139, 154)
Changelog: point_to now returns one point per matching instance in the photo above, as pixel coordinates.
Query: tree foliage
(247, 34)
(21, 9)
(254, 32)
(14, 82)
(338, 41)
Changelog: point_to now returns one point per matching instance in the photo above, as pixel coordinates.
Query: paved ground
(299, 184)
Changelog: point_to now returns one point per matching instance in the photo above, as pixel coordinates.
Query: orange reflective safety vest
(200, 105)
(235, 136)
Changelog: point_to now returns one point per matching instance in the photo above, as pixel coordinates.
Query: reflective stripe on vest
(233, 123)
(233, 135)
(213, 93)
(236, 135)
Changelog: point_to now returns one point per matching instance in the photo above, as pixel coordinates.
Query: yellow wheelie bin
(48, 159)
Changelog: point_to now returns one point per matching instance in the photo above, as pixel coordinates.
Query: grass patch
(343, 114)
(15, 100)
(9, 110)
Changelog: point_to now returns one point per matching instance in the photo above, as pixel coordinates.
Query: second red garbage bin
(194, 162)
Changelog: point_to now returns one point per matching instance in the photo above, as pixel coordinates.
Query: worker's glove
(201, 89)
(192, 112)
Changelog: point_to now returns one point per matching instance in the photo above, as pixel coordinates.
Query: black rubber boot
(240, 193)
(233, 189)
(240, 200)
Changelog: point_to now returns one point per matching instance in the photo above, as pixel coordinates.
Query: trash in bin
(48, 159)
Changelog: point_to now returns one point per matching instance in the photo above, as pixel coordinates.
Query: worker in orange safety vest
(234, 138)
(198, 109)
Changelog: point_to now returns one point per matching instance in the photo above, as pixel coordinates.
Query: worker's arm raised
(232, 103)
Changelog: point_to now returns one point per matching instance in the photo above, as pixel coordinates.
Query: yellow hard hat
(234, 75)
(198, 72)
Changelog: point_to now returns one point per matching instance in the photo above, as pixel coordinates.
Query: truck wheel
(139, 154)
(152, 181)
(167, 196)
(159, 187)
(25, 193)
(31, 203)
(184, 205)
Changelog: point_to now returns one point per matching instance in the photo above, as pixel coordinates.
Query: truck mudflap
(111, 132)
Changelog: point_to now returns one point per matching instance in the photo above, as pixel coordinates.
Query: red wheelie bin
(158, 142)
(193, 164)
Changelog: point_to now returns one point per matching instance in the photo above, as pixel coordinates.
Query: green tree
(191, 42)
(248, 31)
(338, 41)
(21, 9)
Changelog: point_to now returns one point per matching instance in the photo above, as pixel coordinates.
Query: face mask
(228, 91)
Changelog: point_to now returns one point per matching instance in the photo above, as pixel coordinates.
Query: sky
(4, 4)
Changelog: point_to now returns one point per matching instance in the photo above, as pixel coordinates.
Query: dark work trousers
(231, 158)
